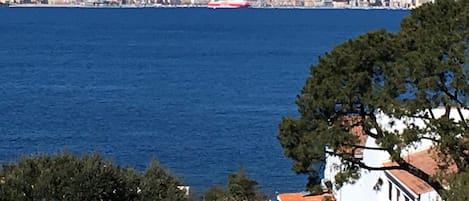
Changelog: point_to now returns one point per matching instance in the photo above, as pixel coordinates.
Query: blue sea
(200, 90)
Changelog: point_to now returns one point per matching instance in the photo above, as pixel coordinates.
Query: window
(406, 198)
(390, 190)
(398, 194)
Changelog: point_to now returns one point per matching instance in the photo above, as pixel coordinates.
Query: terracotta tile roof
(415, 184)
(300, 197)
(424, 160)
(358, 132)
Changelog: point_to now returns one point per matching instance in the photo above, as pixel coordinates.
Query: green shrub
(91, 178)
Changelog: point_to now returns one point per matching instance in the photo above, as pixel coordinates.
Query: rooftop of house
(301, 197)
(357, 131)
(424, 160)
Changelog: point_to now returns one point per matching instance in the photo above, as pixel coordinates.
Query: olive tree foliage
(240, 188)
(67, 177)
(401, 75)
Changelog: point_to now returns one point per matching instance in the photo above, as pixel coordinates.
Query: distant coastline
(99, 6)
(191, 6)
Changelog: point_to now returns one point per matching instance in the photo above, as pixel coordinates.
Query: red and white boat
(229, 4)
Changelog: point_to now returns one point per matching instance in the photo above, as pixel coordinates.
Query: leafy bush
(67, 177)
(240, 188)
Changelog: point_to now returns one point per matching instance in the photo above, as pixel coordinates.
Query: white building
(399, 185)
(408, 3)
(390, 185)
(363, 188)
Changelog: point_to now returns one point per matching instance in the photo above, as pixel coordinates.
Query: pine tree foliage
(401, 75)
(457, 191)
(67, 177)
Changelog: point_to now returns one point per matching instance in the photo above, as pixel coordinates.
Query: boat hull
(229, 4)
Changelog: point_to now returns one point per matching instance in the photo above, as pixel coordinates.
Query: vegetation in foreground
(240, 188)
(91, 178)
(67, 177)
(400, 75)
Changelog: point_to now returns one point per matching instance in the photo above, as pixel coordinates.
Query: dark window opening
(398, 194)
(390, 191)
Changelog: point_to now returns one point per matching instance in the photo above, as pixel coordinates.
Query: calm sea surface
(201, 90)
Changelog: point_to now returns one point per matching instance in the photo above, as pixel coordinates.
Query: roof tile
(299, 197)
(424, 160)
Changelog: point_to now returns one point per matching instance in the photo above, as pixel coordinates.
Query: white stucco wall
(331, 168)
(430, 196)
(363, 188)
(384, 192)
(400, 124)
(404, 191)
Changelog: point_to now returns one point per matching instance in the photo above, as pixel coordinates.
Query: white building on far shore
(408, 3)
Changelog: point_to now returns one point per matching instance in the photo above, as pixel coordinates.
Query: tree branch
(402, 165)
(374, 122)
(431, 113)
(361, 164)
(369, 133)
(462, 117)
(365, 147)
(420, 117)
(431, 139)
(364, 166)
(420, 174)
(452, 96)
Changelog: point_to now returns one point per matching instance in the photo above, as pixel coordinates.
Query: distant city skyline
(255, 3)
